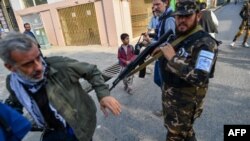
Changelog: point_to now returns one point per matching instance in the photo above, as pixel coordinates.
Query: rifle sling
(159, 54)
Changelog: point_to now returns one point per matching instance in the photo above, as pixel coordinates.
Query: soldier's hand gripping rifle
(141, 57)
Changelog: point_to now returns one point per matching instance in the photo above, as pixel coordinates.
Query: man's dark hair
(124, 35)
(203, 5)
(26, 24)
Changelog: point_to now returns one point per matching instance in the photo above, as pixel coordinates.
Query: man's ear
(10, 67)
(199, 14)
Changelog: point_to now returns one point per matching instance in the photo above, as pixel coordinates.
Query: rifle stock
(141, 57)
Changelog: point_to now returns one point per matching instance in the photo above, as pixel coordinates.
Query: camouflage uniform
(245, 15)
(67, 96)
(245, 24)
(186, 85)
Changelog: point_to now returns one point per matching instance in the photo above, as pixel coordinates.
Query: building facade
(7, 18)
(82, 22)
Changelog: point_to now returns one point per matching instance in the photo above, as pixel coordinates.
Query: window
(38, 2)
(30, 3)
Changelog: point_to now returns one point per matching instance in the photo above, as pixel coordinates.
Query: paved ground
(227, 100)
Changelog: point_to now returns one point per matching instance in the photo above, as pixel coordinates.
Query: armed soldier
(244, 26)
(188, 67)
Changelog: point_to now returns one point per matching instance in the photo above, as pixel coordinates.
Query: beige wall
(101, 23)
(125, 15)
(48, 26)
(113, 17)
(118, 20)
(53, 1)
(109, 15)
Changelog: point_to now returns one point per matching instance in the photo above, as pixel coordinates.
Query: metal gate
(141, 11)
(79, 25)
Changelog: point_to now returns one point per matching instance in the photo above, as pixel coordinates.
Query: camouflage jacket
(245, 15)
(67, 96)
(193, 63)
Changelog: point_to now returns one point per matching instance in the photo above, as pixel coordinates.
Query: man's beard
(158, 13)
(181, 33)
(29, 78)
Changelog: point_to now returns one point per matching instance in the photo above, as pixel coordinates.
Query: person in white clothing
(208, 20)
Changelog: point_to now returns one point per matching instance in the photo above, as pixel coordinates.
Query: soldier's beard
(181, 33)
(187, 31)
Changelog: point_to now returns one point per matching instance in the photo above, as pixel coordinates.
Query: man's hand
(112, 104)
(146, 38)
(168, 51)
(127, 62)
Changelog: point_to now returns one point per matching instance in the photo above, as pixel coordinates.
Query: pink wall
(101, 23)
(109, 14)
(48, 26)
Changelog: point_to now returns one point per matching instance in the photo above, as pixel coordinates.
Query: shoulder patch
(205, 61)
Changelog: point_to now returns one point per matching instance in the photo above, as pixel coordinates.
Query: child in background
(125, 56)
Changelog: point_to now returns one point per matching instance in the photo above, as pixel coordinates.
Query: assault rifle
(141, 57)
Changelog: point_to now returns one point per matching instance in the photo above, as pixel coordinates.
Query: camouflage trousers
(181, 106)
(243, 28)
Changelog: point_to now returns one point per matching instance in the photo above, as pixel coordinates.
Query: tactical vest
(171, 79)
(161, 25)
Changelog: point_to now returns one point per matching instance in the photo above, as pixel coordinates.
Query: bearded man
(188, 67)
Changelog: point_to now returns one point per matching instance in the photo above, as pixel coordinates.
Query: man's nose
(38, 66)
(182, 18)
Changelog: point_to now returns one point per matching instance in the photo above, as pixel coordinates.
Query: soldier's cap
(186, 7)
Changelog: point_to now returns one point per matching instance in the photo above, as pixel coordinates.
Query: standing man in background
(29, 33)
(188, 68)
(244, 26)
(208, 20)
(166, 23)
